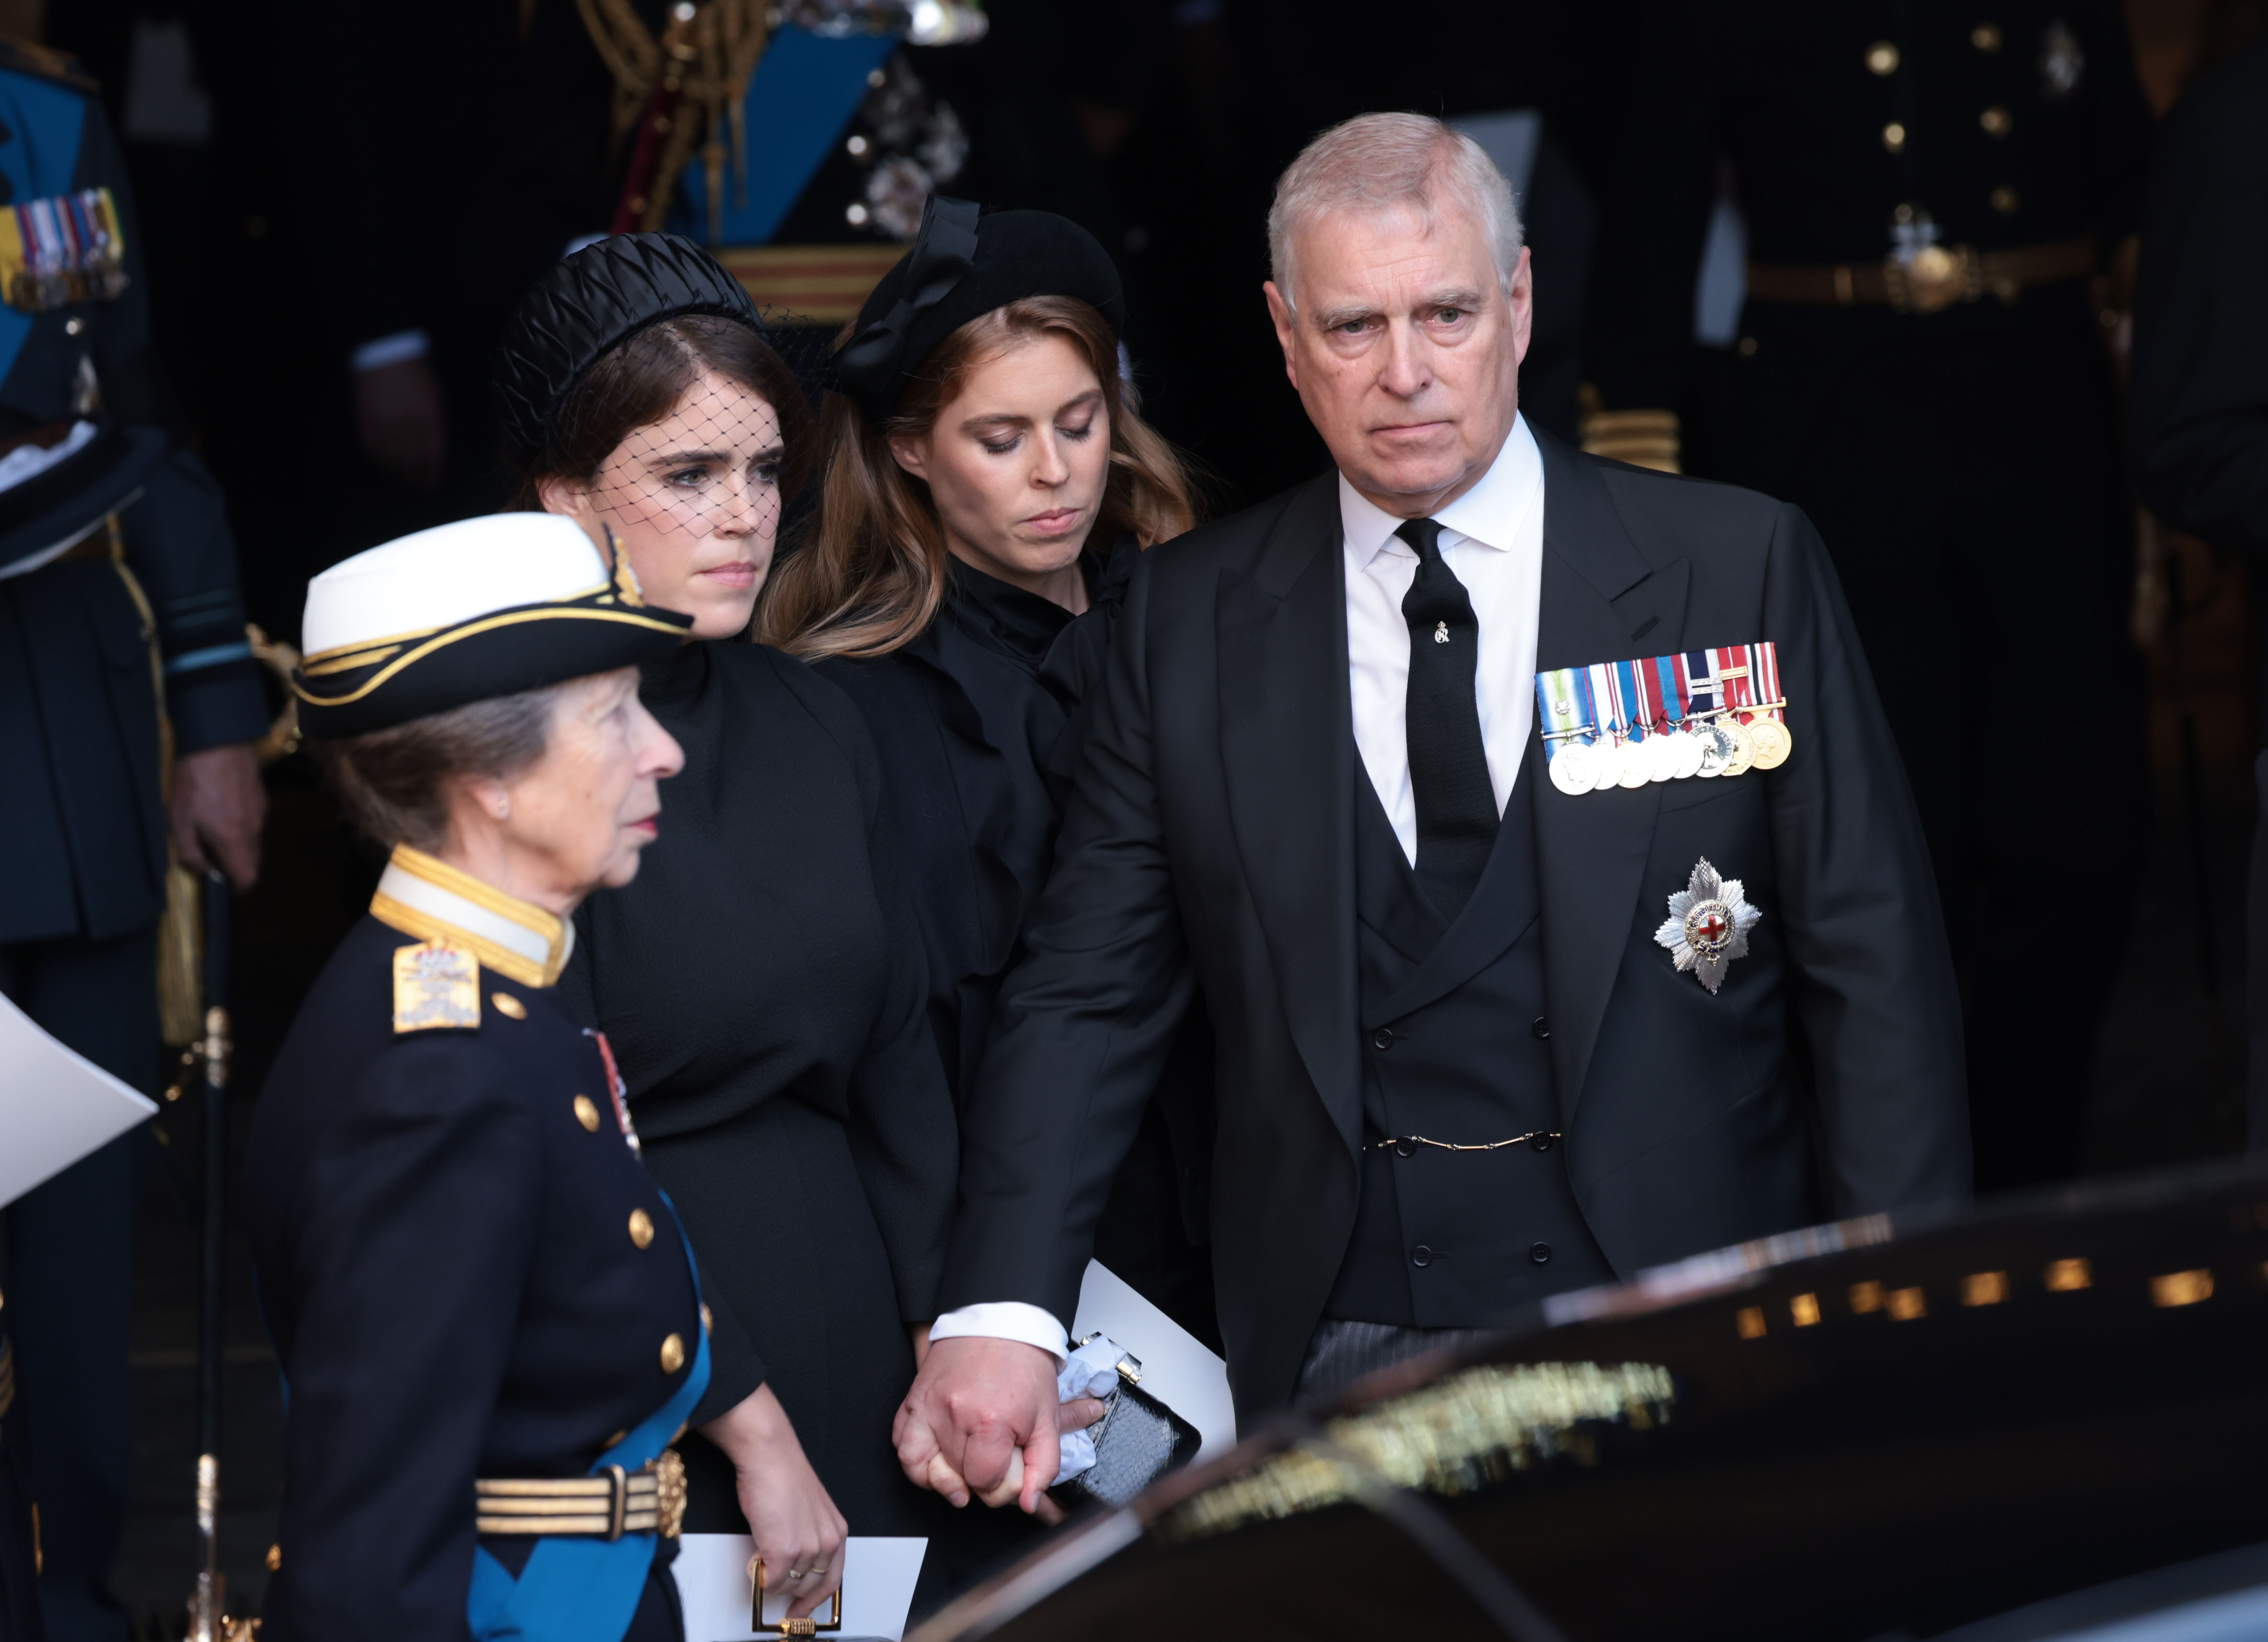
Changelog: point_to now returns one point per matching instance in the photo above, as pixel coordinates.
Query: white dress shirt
(1493, 537)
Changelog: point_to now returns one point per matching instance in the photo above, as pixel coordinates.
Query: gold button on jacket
(586, 1112)
(672, 1353)
(642, 1231)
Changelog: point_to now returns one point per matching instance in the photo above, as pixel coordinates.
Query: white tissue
(1092, 1371)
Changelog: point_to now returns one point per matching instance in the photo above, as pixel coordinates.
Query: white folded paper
(1177, 1369)
(713, 1587)
(55, 1106)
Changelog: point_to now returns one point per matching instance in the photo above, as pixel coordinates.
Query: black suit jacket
(1209, 842)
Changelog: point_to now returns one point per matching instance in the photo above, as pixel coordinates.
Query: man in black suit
(1458, 1069)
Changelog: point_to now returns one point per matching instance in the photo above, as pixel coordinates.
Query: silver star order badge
(1708, 925)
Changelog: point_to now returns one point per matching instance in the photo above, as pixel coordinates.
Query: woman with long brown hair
(989, 486)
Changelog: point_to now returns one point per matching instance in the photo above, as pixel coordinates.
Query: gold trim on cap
(380, 640)
(511, 618)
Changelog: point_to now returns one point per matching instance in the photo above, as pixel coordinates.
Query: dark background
(356, 154)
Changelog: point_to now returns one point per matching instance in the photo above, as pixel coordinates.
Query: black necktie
(1448, 765)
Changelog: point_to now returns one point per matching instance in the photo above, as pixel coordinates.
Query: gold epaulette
(436, 985)
(45, 63)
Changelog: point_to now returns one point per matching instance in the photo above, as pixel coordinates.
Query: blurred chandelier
(922, 22)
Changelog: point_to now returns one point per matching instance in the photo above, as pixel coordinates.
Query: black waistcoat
(1454, 1027)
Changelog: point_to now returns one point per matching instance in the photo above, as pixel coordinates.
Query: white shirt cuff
(385, 350)
(1005, 1320)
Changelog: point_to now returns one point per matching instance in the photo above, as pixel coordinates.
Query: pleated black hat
(589, 303)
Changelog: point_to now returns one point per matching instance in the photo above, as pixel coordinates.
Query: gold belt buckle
(669, 1494)
(1933, 278)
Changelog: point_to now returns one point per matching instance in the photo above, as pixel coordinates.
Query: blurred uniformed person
(2200, 399)
(1933, 194)
(486, 1317)
(113, 540)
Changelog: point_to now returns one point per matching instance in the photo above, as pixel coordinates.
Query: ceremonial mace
(193, 988)
(206, 1621)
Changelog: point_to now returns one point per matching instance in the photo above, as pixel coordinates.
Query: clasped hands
(982, 1420)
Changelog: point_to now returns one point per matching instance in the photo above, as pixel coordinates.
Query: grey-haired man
(1463, 1064)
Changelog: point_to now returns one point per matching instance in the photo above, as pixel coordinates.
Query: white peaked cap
(467, 612)
(450, 574)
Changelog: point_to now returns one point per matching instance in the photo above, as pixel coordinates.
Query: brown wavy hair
(871, 576)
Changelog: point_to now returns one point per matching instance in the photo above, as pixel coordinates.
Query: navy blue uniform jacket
(446, 1267)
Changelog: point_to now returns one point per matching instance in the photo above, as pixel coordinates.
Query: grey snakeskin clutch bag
(1137, 1441)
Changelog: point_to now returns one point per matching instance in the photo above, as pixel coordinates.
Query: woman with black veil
(761, 988)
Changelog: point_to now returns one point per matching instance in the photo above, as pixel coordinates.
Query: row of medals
(1719, 744)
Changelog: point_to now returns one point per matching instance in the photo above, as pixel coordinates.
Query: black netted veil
(719, 461)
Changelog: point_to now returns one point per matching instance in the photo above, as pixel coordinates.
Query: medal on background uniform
(1708, 925)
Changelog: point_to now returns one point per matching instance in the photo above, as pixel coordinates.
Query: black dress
(766, 1011)
(980, 721)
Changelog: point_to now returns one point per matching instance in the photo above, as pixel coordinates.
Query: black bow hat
(588, 304)
(961, 268)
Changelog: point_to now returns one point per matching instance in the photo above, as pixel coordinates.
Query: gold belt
(1935, 278)
(616, 1502)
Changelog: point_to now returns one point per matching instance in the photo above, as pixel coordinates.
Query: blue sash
(585, 1589)
(805, 88)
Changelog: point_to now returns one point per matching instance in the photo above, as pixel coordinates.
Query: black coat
(2200, 400)
(762, 990)
(1210, 844)
(979, 721)
(445, 1269)
(82, 833)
